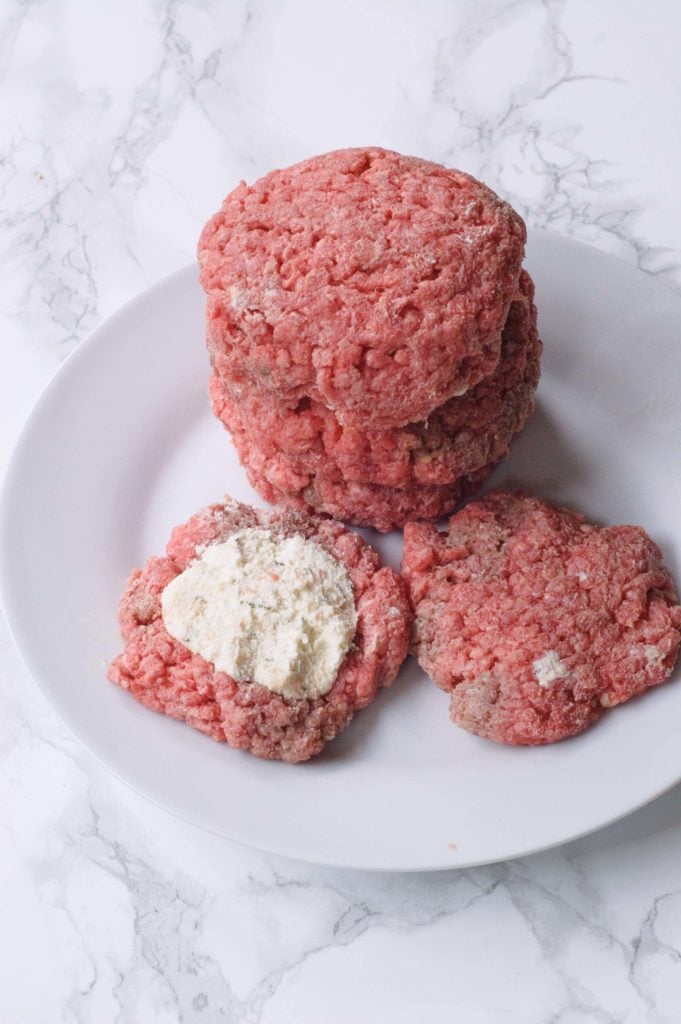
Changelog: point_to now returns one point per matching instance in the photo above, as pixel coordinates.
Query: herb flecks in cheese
(278, 611)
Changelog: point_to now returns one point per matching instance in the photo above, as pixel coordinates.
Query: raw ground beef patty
(305, 458)
(383, 508)
(373, 283)
(535, 620)
(166, 676)
(457, 438)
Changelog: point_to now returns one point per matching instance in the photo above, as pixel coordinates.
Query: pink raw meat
(516, 587)
(374, 283)
(166, 676)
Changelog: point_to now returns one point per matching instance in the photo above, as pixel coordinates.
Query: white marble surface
(122, 126)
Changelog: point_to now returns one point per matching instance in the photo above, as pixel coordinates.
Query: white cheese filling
(279, 611)
(549, 669)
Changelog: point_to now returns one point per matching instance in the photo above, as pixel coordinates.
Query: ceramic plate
(122, 446)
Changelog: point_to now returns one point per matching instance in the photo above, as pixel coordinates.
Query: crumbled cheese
(653, 655)
(549, 669)
(278, 611)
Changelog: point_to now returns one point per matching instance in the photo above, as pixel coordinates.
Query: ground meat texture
(517, 591)
(373, 283)
(166, 676)
(279, 482)
(458, 439)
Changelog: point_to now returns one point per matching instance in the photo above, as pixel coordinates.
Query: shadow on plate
(541, 462)
(406, 688)
(661, 816)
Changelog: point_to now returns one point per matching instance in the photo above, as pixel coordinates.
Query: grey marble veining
(123, 125)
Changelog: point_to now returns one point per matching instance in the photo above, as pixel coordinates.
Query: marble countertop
(123, 125)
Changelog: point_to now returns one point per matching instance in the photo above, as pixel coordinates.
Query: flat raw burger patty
(457, 440)
(535, 620)
(368, 505)
(166, 676)
(374, 283)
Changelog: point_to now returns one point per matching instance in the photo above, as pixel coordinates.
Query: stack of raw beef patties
(372, 334)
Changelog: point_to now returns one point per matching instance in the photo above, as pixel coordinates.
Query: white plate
(122, 446)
